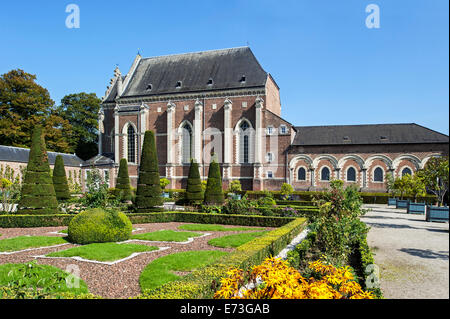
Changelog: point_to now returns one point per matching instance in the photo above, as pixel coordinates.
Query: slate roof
(225, 67)
(98, 160)
(20, 154)
(408, 133)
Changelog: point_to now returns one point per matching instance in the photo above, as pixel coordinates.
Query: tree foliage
(81, 111)
(123, 181)
(38, 194)
(435, 176)
(23, 105)
(148, 192)
(194, 190)
(60, 180)
(214, 192)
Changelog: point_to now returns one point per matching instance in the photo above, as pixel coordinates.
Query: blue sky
(330, 67)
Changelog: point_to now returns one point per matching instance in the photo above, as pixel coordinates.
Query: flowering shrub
(275, 279)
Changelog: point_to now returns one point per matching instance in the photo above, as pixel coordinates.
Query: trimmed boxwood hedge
(202, 283)
(24, 221)
(368, 198)
(97, 225)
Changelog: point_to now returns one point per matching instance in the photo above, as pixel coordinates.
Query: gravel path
(116, 281)
(412, 254)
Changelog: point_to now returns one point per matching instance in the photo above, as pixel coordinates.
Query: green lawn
(39, 276)
(235, 240)
(25, 242)
(166, 235)
(160, 271)
(215, 227)
(102, 251)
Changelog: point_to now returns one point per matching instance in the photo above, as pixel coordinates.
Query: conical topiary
(123, 181)
(148, 192)
(194, 191)
(37, 194)
(214, 192)
(59, 180)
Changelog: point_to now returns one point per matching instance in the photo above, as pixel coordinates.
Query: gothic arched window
(245, 142)
(131, 141)
(351, 174)
(301, 174)
(378, 174)
(186, 146)
(325, 174)
(405, 171)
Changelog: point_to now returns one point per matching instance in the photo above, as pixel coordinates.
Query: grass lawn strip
(234, 240)
(161, 270)
(168, 236)
(104, 253)
(42, 276)
(24, 243)
(215, 227)
(65, 231)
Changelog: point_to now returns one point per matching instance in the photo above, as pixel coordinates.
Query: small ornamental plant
(214, 192)
(123, 181)
(275, 279)
(60, 180)
(148, 193)
(194, 191)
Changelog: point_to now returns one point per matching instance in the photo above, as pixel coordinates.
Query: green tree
(435, 176)
(123, 181)
(163, 182)
(214, 192)
(286, 190)
(235, 186)
(417, 187)
(194, 190)
(59, 180)
(23, 105)
(81, 111)
(148, 193)
(38, 194)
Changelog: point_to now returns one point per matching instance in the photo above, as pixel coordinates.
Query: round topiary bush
(99, 226)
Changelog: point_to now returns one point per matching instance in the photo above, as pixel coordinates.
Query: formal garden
(125, 243)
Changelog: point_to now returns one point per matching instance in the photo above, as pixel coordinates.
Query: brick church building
(224, 102)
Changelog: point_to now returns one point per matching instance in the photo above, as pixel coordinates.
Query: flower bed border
(202, 283)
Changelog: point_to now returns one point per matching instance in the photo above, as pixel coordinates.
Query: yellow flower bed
(275, 279)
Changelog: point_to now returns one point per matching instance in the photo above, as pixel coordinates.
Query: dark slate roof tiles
(225, 67)
(19, 154)
(407, 133)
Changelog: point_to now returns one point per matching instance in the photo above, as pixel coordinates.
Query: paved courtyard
(412, 254)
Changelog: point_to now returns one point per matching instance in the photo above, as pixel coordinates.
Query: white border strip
(190, 240)
(104, 262)
(297, 240)
(34, 248)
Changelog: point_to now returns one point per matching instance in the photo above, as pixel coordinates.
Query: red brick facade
(243, 127)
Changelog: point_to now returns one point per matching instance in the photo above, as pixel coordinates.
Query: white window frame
(373, 174)
(330, 175)
(306, 174)
(285, 128)
(356, 174)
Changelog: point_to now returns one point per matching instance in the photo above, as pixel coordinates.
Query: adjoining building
(14, 160)
(223, 101)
